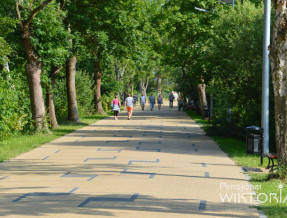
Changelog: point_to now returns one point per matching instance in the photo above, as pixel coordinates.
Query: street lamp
(265, 76)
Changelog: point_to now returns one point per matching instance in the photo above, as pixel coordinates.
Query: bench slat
(271, 155)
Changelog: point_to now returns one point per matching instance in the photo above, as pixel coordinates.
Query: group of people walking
(152, 101)
(130, 102)
(180, 101)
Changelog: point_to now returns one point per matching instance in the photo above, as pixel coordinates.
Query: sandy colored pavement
(158, 164)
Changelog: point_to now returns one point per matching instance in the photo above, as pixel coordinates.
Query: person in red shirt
(116, 106)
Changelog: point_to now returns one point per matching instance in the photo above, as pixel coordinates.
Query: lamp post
(265, 76)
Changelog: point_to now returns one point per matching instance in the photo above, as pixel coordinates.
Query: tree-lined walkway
(159, 164)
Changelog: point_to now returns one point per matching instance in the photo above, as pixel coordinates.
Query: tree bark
(278, 60)
(33, 72)
(119, 71)
(202, 97)
(50, 98)
(143, 87)
(71, 89)
(98, 81)
(159, 84)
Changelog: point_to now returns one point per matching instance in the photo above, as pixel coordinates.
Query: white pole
(265, 76)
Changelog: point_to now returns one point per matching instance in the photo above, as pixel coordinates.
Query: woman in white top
(143, 101)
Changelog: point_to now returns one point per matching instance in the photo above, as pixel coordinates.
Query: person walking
(129, 104)
(180, 103)
(116, 106)
(142, 101)
(135, 97)
(151, 101)
(171, 97)
(159, 101)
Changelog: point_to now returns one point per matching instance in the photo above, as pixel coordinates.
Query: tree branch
(19, 14)
(17, 10)
(123, 71)
(63, 5)
(147, 80)
(36, 10)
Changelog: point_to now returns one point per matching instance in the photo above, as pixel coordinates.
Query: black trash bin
(253, 144)
(254, 141)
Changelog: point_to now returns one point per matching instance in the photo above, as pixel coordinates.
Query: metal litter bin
(253, 144)
(254, 141)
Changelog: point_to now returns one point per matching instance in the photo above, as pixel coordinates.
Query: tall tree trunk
(278, 60)
(143, 87)
(196, 101)
(159, 84)
(184, 79)
(202, 97)
(50, 98)
(33, 67)
(98, 80)
(71, 89)
(33, 72)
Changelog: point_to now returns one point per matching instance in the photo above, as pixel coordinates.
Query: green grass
(13, 147)
(198, 119)
(236, 149)
(270, 185)
(268, 181)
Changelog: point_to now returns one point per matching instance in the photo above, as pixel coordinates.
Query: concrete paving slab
(158, 164)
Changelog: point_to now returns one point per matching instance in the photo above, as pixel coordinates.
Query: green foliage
(84, 92)
(4, 50)
(282, 170)
(235, 60)
(106, 102)
(15, 115)
(7, 25)
(222, 49)
(50, 37)
(60, 100)
(138, 40)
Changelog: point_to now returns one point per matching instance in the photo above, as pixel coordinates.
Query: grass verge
(275, 206)
(13, 147)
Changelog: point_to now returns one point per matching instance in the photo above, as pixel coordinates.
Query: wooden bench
(271, 158)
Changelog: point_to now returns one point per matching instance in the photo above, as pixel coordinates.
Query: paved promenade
(158, 164)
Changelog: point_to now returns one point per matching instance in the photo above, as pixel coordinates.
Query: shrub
(85, 96)
(106, 102)
(15, 115)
